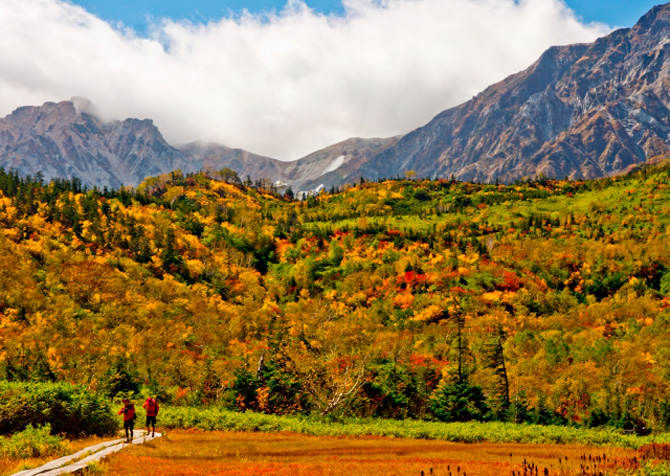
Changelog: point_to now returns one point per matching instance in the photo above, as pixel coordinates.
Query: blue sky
(134, 13)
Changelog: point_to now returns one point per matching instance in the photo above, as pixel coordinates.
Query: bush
(33, 443)
(68, 409)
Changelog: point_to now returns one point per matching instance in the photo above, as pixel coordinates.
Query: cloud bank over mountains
(282, 84)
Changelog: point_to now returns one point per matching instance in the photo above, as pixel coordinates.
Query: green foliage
(121, 378)
(213, 418)
(665, 284)
(459, 401)
(32, 443)
(67, 409)
(650, 469)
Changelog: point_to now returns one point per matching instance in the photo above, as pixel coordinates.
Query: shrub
(32, 443)
(68, 409)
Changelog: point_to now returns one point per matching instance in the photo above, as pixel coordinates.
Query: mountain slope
(212, 156)
(204, 291)
(579, 111)
(332, 165)
(335, 164)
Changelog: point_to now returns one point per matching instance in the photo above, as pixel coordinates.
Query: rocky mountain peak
(68, 139)
(654, 21)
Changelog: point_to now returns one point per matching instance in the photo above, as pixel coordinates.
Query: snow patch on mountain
(335, 164)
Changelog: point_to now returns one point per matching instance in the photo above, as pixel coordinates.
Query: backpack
(152, 407)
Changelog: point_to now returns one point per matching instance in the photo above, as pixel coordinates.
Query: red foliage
(410, 277)
(511, 282)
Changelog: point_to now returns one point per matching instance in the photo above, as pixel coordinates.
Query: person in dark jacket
(151, 406)
(128, 412)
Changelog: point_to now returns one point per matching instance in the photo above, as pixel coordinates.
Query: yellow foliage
(403, 300)
(493, 296)
(649, 359)
(195, 267)
(330, 295)
(428, 314)
(439, 259)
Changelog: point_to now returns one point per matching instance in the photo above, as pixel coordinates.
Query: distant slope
(335, 164)
(332, 165)
(587, 110)
(212, 156)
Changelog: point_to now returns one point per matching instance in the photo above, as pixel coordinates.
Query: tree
(496, 361)
(459, 401)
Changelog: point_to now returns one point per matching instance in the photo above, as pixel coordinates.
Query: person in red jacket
(151, 406)
(128, 412)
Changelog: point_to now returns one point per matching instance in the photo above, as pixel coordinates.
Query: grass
(218, 453)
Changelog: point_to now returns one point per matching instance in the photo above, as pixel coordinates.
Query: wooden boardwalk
(79, 460)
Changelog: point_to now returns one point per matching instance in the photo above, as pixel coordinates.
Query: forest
(541, 301)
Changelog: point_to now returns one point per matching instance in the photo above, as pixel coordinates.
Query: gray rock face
(581, 111)
(212, 156)
(65, 140)
(336, 164)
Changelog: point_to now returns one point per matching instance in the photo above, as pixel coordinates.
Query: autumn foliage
(543, 301)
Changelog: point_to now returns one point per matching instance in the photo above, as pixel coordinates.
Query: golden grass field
(182, 453)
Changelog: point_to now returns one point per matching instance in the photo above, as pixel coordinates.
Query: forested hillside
(540, 301)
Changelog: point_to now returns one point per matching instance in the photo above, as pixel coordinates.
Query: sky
(135, 13)
(282, 78)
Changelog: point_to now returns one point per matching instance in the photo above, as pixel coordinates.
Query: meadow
(289, 454)
(216, 441)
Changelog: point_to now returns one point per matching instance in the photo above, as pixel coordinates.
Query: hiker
(151, 406)
(128, 411)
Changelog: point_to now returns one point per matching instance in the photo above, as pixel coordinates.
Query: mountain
(336, 164)
(585, 110)
(580, 111)
(213, 156)
(67, 139)
(332, 165)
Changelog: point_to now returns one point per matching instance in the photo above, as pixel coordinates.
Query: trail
(79, 460)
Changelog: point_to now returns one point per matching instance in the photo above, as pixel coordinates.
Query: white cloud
(280, 84)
